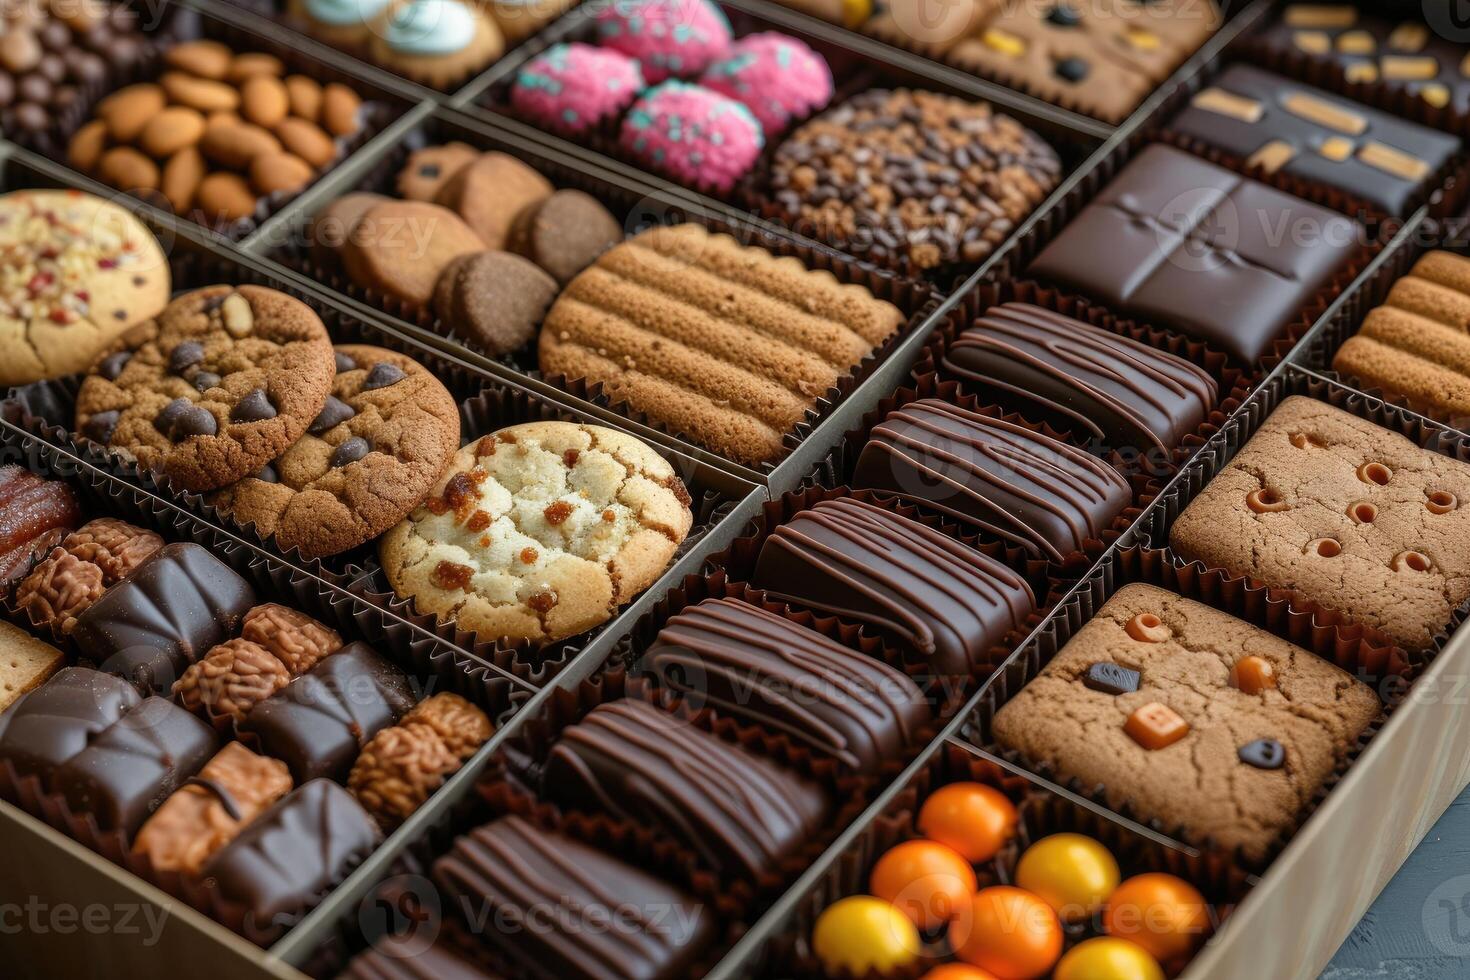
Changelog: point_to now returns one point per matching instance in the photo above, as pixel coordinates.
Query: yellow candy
(1071, 873)
(861, 934)
(1106, 958)
(854, 12)
(1007, 44)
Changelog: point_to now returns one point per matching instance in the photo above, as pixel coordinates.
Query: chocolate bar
(56, 721)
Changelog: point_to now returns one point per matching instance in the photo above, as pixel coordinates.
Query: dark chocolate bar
(409, 958)
(168, 613)
(740, 812)
(1082, 379)
(1019, 485)
(56, 721)
(319, 722)
(131, 768)
(1181, 243)
(559, 908)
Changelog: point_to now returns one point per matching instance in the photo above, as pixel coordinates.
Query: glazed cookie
(540, 531)
(435, 42)
(565, 233)
(219, 385)
(386, 433)
(343, 24)
(400, 248)
(495, 298)
(491, 192)
(78, 272)
(429, 169)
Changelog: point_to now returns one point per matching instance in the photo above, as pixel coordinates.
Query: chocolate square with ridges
(56, 721)
(1111, 678)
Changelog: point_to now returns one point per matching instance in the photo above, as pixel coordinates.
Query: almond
(128, 110)
(182, 175)
(340, 109)
(253, 64)
(234, 145)
(206, 59)
(225, 197)
(199, 93)
(171, 130)
(264, 100)
(273, 173)
(307, 141)
(306, 97)
(87, 145)
(128, 170)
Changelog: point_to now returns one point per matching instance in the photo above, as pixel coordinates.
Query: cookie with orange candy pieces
(1009, 932)
(1165, 915)
(974, 819)
(925, 880)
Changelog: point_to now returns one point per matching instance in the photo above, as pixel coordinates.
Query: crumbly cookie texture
(398, 770)
(1075, 717)
(385, 434)
(1347, 514)
(219, 385)
(724, 342)
(540, 531)
(462, 726)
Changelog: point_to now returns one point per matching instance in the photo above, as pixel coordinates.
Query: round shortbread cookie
(78, 272)
(385, 435)
(540, 531)
(219, 385)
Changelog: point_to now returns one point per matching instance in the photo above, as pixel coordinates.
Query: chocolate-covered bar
(1017, 484)
(407, 958)
(35, 514)
(131, 768)
(752, 664)
(168, 613)
(280, 865)
(1282, 125)
(319, 722)
(908, 582)
(1181, 243)
(741, 813)
(608, 920)
(1082, 379)
(56, 721)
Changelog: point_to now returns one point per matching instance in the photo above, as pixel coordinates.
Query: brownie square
(1252, 756)
(1347, 514)
(1285, 126)
(1181, 243)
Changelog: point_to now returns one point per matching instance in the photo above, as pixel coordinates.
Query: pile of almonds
(217, 132)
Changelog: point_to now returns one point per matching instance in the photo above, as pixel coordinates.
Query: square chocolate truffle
(767, 670)
(1415, 347)
(1181, 243)
(57, 720)
(740, 812)
(1282, 125)
(1024, 487)
(1220, 730)
(1346, 514)
(915, 586)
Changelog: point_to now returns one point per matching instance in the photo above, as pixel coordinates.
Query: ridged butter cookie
(387, 432)
(723, 342)
(219, 385)
(540, 531)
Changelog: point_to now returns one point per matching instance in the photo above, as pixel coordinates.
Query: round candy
(1009, 932)
(958, 971)
(862, 933)
(693, 135)
(974, 819)
(1106, 958)
(1165, 915)
(925, 880)
(575, 86)
(668, 37)
(778, 78)
(1071, 873)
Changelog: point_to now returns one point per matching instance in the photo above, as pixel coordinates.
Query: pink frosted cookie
(693, 135)
(575, 86)
(777, 77)
(668, 37)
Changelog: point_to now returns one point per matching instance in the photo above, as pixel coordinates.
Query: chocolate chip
(1072, 69)
(1064, 15)
(429, 170)
(345, 363)
(185, 356)
(381, 376)
(166, 419)
(254, 407)
(268, 474)
(112, 365)
(333, 414)
(351, 451)
(205, 380)
(1264, 753)
(1110, 678)
(99, 428)
(196, 421)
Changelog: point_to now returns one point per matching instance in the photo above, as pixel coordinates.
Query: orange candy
(1165, 915)
(958, 971)
(1009, 932)
(973, 819)
(1156, 726)
(1252, 675)
(925, 880)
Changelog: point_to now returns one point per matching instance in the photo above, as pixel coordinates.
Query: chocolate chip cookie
(540, 531)
(219, 385)
(386, 433)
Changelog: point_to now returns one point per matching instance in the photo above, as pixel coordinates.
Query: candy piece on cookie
(565, 233)
(369, 457)
(692, 135)
(778, 78)
(540, 531)
(574, 87)
(429, 169)
(668, 38)
(436, 42)
(218, 386)
(400, 248)
(490, 192)
(82, 271)
(496, 299)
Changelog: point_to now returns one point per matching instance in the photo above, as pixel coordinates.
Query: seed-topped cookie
(540, 531)
(385, 435)
(78, 272)
(219, 385)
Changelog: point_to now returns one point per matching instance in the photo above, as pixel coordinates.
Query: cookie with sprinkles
(218, 385)
(692, 135)
(574, 87)
(76, 271)
(669, 38)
